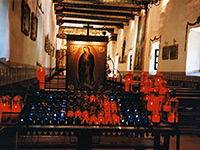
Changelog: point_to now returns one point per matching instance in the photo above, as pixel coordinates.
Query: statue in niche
(62, 34)
(86, 68)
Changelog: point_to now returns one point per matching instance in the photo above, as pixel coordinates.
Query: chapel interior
(99, 74)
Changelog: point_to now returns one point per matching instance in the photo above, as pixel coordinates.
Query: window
(130, 57)
(153, 62)
(156, 59)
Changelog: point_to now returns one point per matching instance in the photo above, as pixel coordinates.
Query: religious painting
(87, 65)
(120, 59)
(34, 22)
(140, 43)
(25, 18)
(47, 44)
(123, 52)
(61, 59)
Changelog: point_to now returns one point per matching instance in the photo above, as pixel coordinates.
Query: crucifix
(88, 29)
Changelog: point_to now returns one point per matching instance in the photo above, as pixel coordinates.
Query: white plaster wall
(111, 48)
(132, 38)
(120, 40)
(169, 20)
(4, 30)
(40, 39)
(22, 48)
(130, 34)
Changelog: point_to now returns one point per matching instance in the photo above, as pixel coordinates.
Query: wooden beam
(87, 38)
(92, 17)
(105, 13)
(120, 25)
(95, 6)
(84, 27)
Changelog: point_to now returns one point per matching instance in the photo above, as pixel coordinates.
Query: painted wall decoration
(87, 65)
(25, 18)
(140, 43)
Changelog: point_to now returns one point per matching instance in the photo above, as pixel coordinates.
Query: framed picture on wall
(165, 53)
(120, 60)
(123, 51)
(86, 61)
(140, 42)
(125, 58)
(25, 18)
(34, 22)
(174, 51)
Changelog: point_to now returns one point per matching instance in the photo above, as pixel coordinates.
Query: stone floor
(187, 142)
